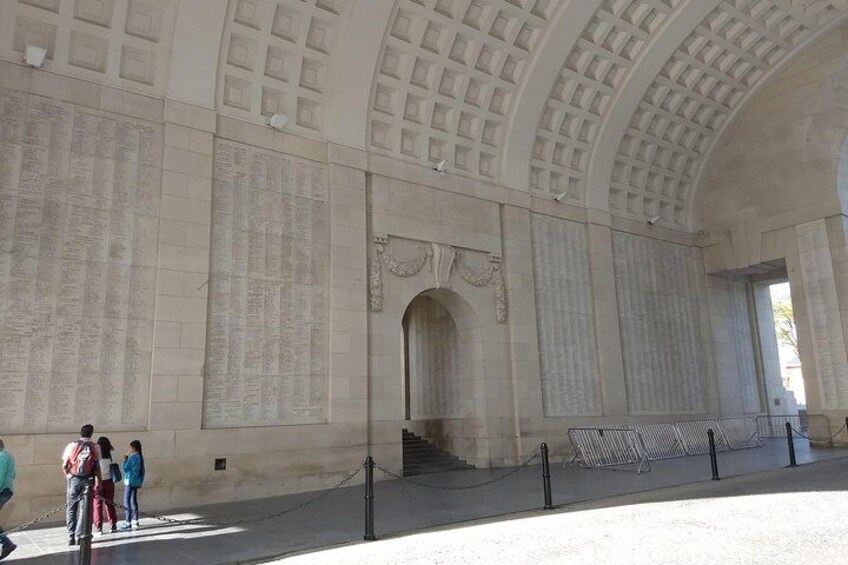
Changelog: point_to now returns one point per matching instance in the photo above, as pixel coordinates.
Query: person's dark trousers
(104, 506)
(74, 511)
(5, 495)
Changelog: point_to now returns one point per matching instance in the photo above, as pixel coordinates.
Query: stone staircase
(421, 457)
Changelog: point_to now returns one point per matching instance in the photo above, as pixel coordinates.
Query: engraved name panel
(266, 359)
(79, 203)
(565, 318)
(656, 287)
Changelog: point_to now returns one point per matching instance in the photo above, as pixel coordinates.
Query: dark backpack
(83, 459)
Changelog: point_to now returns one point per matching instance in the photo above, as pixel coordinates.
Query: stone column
(176, 389)
(348, 287)
(817, 274)
(610, 361)
(521, 320)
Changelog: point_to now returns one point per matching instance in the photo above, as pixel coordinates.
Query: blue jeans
(131, 503)
(5, 495)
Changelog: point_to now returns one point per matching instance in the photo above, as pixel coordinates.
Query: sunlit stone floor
(403, 507)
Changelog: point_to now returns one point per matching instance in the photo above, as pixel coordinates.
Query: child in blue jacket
(133, 479)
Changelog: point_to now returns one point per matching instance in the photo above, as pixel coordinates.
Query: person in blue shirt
(133, 479)
(7, 487)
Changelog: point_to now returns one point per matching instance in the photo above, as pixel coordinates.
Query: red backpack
(83, 459)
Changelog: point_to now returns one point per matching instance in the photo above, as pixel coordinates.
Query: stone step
(421, 457)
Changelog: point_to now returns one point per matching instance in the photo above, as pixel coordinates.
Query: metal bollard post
(713, 458)
(546, 477)
(85, 541)
(791, 441)
(369, 499)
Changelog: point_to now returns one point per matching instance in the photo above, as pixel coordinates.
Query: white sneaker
(98, 534)
(136, 525)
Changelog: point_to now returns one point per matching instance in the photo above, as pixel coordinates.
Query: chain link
(43, 517)
(460, 487)
(242, 521)
(805, 436)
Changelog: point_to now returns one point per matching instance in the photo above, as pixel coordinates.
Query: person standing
(104, 503)
(7, 488)
(133, 479)
(81, 468)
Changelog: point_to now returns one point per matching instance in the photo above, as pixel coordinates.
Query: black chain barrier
(239, 522)
(460, 487)
(41, 518)
(820, 439)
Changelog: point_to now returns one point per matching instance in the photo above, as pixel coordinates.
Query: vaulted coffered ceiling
(615, 103)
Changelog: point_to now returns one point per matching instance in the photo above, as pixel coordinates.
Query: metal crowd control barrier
(608, 447)
(661, 441)
(814, 426)
(740, 433)
(693, 433)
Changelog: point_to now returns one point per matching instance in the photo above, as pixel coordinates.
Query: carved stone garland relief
(443, 260)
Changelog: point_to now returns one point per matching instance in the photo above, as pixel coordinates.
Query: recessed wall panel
(565, 318)
(434, 362)
(658, 308)
(266, 358)
(79, 224)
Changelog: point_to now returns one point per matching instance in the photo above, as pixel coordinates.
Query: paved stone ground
(787, 516)
(401, 506)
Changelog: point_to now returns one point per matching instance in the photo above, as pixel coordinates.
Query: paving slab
(776, 517)
(401, 506)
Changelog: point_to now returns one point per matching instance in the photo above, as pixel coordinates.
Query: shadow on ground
(404, 506)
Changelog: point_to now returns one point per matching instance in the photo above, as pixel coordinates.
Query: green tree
(784, 324)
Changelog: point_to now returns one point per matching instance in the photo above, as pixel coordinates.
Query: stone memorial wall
(266, 357)
(740, 330)
(657, 292)
(822, 300)
(565, 318)
(79, 204)
(434, 364)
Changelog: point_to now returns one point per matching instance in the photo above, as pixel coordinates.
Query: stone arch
(485, 438)
(442, 365)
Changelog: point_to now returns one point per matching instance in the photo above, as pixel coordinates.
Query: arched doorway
(439, 352)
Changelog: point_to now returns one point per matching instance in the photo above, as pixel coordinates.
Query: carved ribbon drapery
(447, 258)
(399, 268)
(443, 257)
(407, 268)
(492, 276)
(375, 278)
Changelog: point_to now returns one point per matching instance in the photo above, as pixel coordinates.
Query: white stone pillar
(521, 320)
(348, 287)
(179, 348)
(610, 361)
(817, 274)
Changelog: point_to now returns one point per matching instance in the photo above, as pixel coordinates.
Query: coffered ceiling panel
(124, 43)
(448, 75)
(275, 58)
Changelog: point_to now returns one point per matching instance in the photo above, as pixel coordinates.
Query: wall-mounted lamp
(34, 56)
(278, 121)
(442, 167)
